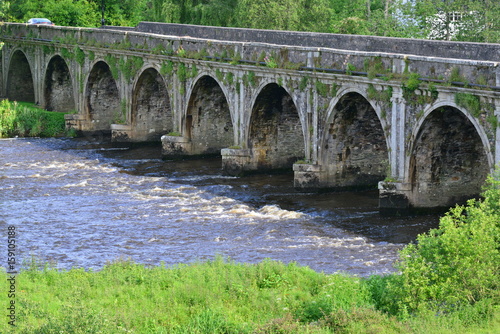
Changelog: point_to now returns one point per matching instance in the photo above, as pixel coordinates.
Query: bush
(25, 120)
(457, 265)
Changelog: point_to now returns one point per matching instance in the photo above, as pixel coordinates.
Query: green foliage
(229, 78)
(350, 68)
(303, 83)
(79, 55)
(218, 296)
(479, 19)
(219, 75)
(131, 66)
(194, 71)
(167, 68)
(181, 72)
(25, 120)
(470, 102)
(270, 62)
(322, 88)
(61, 12)
(65, 53)
(456, 76)
(374, 66)
(212, 297)
(412, 83)
(383, 95)
(454, 267)
(249, 79)
(113, 65)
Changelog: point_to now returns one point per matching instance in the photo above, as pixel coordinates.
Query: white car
(40, 21)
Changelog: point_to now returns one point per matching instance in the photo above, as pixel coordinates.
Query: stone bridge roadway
(341, 111)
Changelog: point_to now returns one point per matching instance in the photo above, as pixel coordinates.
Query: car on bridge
(40, 21)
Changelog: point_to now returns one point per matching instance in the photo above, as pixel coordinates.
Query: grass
(218, 296)
(23, 119)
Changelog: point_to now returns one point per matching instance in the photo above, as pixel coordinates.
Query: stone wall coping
(174, 139)
(239, 152)
(121, 127)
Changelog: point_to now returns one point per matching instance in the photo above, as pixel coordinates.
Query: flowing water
(80, 203)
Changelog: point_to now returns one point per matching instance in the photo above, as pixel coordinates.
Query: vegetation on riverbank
(448, 282)
(26, 120)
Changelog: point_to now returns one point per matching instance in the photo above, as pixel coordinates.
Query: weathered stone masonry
(342, 111)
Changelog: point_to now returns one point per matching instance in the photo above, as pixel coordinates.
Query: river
(83, 203)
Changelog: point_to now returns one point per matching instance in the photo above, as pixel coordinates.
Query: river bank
(218, 296)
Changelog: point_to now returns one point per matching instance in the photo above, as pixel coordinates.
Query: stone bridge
(419, 118)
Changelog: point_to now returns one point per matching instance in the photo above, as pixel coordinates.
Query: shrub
(23, 120)
(457, 265)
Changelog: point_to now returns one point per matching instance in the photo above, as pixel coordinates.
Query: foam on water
(80, 209)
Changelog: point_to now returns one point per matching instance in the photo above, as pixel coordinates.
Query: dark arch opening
(58, 87)
(448, 163)
(151, 111)
(20, 80)
(355, 150)
(208, 119)
(102, 98)
(276, 137)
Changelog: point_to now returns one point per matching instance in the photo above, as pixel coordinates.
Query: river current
(83, 203)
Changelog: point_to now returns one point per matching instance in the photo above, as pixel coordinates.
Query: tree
(123, 12)
(61, 12)
(464, 20)
(269, 14)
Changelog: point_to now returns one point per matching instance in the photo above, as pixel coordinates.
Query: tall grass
(218, 296)
(25, 120)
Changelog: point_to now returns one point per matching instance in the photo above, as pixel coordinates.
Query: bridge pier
(394, 198)
(308, 176)
(175, 146)
(78, 122)
(121, 132)
(237, 161)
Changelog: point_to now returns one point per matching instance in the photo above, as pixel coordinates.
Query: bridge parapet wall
(458, 50)
(389, 58)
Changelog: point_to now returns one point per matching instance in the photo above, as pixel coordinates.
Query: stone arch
(208, 123)
(275, 134)
(354, 147)
(102, 99)
(20, 86)
(151, 109)
(450, 157)
(58, 86)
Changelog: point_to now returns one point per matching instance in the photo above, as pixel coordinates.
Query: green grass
(218, 296)
(26, 120)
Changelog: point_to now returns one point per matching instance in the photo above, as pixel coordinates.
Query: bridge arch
(208, 120)
(58, 86)
(354, 145)
(102, 98)
(450, 156)
(151, 114)
(275, 129)
(20, 85)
